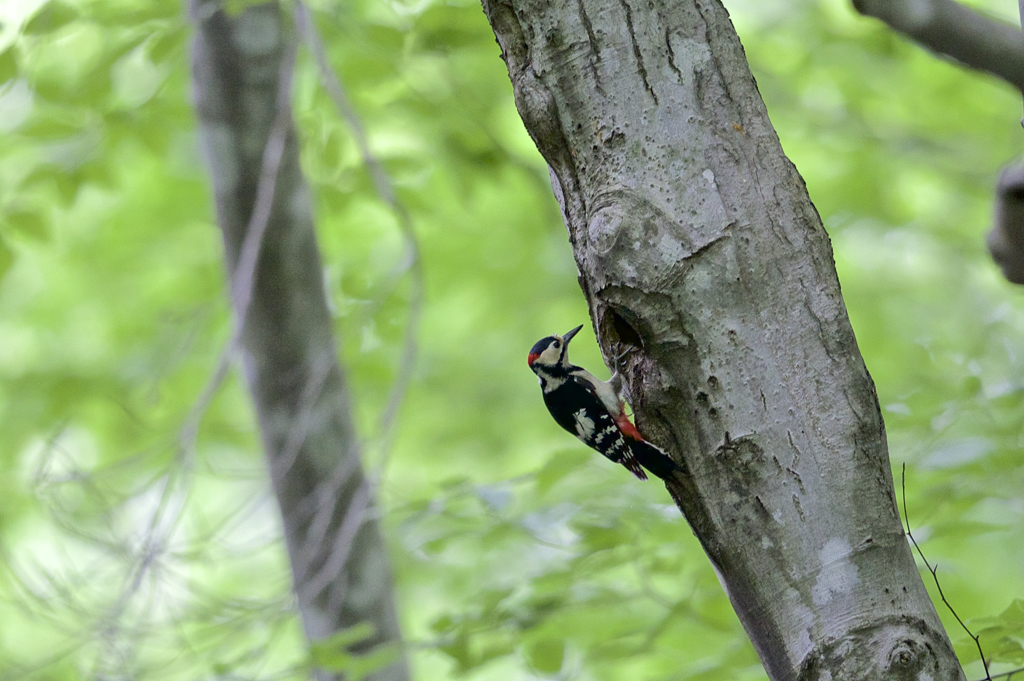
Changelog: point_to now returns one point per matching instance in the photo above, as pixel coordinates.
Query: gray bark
(339, 560)
(697, 246)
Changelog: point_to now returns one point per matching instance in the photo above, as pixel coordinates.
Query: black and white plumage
(592, 410)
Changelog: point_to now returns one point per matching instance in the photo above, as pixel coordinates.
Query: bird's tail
(653, 459)
(630, 462)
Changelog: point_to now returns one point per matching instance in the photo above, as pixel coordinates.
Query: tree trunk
(698, 247)
(241, 70)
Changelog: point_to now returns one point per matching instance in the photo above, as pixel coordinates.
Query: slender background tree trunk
(698, 247)
(341, 568)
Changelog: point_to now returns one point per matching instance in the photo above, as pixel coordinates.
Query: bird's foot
(616, 380)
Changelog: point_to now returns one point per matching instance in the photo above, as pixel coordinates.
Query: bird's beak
(568, 336)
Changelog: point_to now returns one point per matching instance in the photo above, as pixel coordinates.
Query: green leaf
(6, 259)
(344, 638)
(8, 64)
(26, 222)
(330, 658)
(332, 653)
(458, 650)
(1003, 635)
(560, 465)
(54, 15)
(167, 46)
(1014, 614)
(598, 538)
(545, 655)
(43, 126)
(118, 15)
(332, 149)
(971, 386)
(445, 28)
(442, 624)
(67, 187)
(387, 37)
(94, 87)
(380, 657)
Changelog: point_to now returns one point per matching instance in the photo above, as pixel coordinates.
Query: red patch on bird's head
(531, 358)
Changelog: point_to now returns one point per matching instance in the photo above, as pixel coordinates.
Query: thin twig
(935, 576)
(243, 278)
(385, 190)
(299, 426)
(341, 543)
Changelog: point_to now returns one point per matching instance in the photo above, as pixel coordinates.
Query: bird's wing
(602, 390)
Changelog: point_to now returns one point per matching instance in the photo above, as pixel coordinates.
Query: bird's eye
(556, 345)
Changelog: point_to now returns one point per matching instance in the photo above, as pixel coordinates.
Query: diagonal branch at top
(972, 38)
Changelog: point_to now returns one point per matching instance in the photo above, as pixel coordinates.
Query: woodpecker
(592, 410)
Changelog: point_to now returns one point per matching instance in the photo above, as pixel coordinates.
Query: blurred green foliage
(518, 554)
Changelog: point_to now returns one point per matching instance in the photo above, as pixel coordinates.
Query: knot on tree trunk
(898, 649)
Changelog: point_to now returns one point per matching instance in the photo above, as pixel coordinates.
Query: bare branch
(385, 189)
(972, 38)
